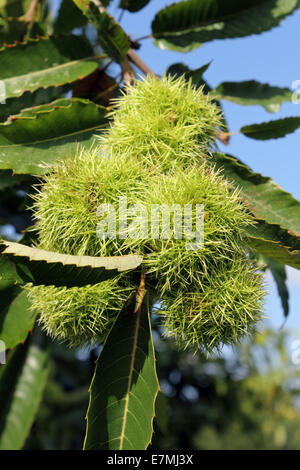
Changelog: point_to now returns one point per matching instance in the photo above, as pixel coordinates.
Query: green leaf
(183, 26)
(22, 382)
(161, 412)
(16, 320)
(15, 8)
(279, 275)
(274, 242)
(273, 249)
(15, 105)
(13, 29)
(111, 37)
(276, 234)
(23, 66)
(69, 17)
(265, 199)
(29, 237)
(253, 93)
(272, 129)
(32, 111)
(177, 69)
(124, 386)
(133, 5)
(195, 75)
(29, 144)
(22, 264)
(8, 293)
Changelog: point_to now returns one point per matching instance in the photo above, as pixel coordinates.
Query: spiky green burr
(156, 151)
(164, 123)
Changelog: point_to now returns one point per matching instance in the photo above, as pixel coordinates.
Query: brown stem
(128, 74)
(224, 136)
(108, 90)
(136, 60)
(99, 5)
(28, 18)
(140, 294)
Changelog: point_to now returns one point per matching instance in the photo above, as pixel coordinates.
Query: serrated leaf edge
(34, 254)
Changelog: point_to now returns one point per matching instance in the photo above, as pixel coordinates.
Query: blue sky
(271, 57)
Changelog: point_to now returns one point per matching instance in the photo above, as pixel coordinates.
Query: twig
(140, 294)
(128, 74)
(224, 136)
(108, 90)
(28, 18)
(121, 15)
(148, 36)
(99, 5)
(136, 60)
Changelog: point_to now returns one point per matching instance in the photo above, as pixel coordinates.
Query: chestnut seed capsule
(154, 157)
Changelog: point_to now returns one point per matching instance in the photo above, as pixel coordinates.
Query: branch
(100, 6)
(28, 18)
(128, 74)
(224, 136)
(136, 60)
(140, 294)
